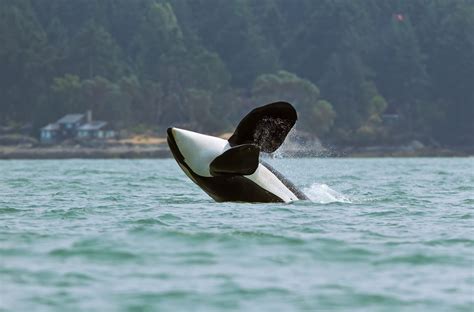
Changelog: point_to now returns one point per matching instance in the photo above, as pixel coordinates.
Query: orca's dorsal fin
(266, 126)
(238, 160)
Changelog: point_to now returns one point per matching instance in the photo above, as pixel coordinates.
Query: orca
(231, 170)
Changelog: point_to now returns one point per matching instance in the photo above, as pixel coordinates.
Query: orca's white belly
(268, 181)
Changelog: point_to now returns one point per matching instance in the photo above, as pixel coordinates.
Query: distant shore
(394, 152)
(162, 151)
(61, 152)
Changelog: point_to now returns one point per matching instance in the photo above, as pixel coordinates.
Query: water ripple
(137, 235)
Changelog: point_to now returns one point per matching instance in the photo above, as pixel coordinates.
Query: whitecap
(323, 194)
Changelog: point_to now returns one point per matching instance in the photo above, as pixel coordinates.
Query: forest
(359, 72)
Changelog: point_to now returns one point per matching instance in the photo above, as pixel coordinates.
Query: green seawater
(138, 235)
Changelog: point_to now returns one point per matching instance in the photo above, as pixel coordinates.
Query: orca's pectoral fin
(266, 126)
(238, 160)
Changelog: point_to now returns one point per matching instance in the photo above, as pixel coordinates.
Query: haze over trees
(345, 65)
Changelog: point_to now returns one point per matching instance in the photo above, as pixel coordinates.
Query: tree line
(358, 72)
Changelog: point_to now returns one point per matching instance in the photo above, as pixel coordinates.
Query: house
(68, 124)
(64, 128)
(95, 130)
(76, 126)
(50, 133)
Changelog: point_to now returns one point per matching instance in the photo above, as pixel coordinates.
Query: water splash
(298, 144)
(323, 194)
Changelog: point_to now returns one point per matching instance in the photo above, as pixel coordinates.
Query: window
(83, 134)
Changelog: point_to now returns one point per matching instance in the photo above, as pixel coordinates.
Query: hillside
(359, 72)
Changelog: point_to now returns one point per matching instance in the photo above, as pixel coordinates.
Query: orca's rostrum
(230, 170)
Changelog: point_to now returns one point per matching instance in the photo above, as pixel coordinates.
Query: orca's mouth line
(178, 156)
(173, 146)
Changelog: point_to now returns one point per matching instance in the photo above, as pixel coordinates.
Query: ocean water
(138, 235)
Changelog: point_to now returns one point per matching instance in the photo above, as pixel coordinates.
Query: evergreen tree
(159, 62)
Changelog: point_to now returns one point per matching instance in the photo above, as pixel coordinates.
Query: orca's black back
(235, 188)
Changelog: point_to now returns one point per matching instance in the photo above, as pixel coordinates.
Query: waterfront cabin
(64, 128)
(50, 133)
(69, 124)
(95, 130)
(76, 126)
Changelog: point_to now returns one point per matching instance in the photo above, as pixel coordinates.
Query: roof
(94, 125)
(51, 127)
(70, 118)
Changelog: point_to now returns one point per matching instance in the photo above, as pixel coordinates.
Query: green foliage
(106, 99)
(205, 63)
(315, 115)
(365, 135)
(199, 105)
(323, 116)
(94, 52)
(67, 91)
(375, 104)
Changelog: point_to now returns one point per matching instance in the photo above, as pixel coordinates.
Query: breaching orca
(230, 170)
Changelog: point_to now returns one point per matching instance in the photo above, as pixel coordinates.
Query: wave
(323, 194)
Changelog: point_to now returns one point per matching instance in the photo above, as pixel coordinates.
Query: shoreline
(162, 151)
(60, 152)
